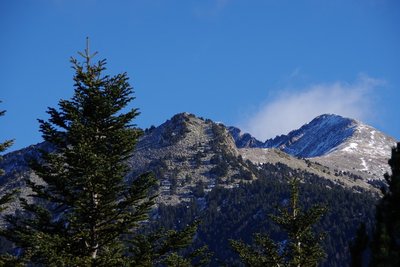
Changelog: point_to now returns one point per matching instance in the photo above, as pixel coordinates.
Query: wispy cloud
(292, 108)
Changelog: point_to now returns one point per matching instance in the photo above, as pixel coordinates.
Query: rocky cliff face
(189, 156)
(365, 153)
(244, 140)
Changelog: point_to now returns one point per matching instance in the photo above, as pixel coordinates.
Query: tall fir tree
(3, 146)
(385, 243)
(358, 247)
(4, 200)
(302, 247)
(86, 213)
(164, 248)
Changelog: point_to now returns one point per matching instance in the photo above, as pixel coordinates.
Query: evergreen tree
(385, 243)
(5, 144)
(4, 200)
(302, 247)
(161, 248)
(358, 246)
(8, 196)
(86, 213)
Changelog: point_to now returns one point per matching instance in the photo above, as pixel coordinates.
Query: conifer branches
(84, 211)
(301, 248)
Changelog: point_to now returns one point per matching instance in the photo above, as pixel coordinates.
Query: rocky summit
(343, 145)
(191, 155)
(232, 181)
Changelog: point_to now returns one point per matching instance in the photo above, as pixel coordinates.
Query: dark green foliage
(358, 247)
(237, 213)
(168, 247)
(198, 190)
(4, 200)
(301, 248)
(264, 251)
(197, 159)
(245, 174)
(174, 131)
(84, 213)
(219, 133)
(220, 170)
(8, 196)
(5, 144)
(385, 243)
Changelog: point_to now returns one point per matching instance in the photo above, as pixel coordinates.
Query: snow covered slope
(342, 144)
(319, 137)
(365, 153)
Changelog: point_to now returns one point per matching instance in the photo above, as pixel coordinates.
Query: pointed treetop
(87, 56)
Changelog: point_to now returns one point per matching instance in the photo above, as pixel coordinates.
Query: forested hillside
(238, 213)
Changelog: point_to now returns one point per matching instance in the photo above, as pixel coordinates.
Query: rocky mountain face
(316, 138)
(190, 156)
(244, 140)
(232, 181)
(343, 145)
(313, 139)
(364, 153)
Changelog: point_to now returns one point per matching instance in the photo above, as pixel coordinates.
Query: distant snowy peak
(323, 135)
(342, 144)
(316, 138)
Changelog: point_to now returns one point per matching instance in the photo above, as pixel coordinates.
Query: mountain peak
(332, 119)
(341, 143)
(316, 138)
(243, 139)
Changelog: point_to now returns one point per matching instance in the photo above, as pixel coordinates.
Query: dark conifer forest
(240, 212)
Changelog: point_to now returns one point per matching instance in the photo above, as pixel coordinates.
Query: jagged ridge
(316, 138)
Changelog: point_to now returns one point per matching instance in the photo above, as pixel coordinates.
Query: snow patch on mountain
(343, 144)
(319, 137)
(364, 164)
(365, 153)
(351, 148)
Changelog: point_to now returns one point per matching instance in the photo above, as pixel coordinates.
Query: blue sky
(266, 66)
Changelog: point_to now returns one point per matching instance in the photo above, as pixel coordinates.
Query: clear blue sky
(266, 66)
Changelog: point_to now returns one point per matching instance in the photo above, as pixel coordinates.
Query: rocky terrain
(191, 155)
(232, 181)
(344, 145)
(186, 154)
(365, 153)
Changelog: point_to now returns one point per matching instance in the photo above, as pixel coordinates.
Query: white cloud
(293, 108)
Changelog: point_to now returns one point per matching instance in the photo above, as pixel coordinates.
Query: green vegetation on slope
(239, 212)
